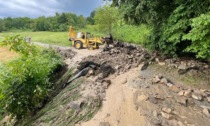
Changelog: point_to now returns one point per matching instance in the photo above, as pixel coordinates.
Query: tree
(41, 24)
(171, 20)
(106, 17)
(90, 19)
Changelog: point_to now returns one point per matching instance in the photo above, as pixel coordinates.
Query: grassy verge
(53, 38)
(132, 34)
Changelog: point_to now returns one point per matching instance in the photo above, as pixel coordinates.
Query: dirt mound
(116, 59)
(66, 53)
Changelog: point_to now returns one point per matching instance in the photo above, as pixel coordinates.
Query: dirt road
(118, 108)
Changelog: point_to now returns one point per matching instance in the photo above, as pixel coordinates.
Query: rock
(169, 84)
(157, 60)
(104, 124)
(208, 98)
(187, 93)
(161, 63)
(124, 81)
(163, 81)
(117, 67)
(197, 96)
(127, 67)
(160, 76)
(156, 79)
(167, 110)
(182, 67)
(206, 111)
(181, 93)
(174, 89)
(182, 101)
(91, 72)
(159, 97)
(106, 83)
(155, 113)
(167, 116)
(153, 100)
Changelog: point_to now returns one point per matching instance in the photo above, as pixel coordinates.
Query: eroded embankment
(131, 96)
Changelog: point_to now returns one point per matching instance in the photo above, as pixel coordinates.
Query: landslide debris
(117, 59)
(66, 53)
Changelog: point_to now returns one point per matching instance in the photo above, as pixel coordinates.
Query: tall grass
(132, 34)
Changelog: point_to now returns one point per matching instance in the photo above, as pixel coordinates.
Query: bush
(24, 82)
(200, 36)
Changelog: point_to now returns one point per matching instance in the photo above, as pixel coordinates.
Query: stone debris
(197, 96)
(163, 81)
(208, 98)
(187, 93)
(66, 53)
(206, 111)
(182, 101)
(174, 89)
(169, 84)
(181, 93)
(166, 115)
(153, 100)
(167, 110)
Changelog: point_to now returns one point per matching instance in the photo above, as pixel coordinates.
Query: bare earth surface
(155, 96)
(131, 93)
(118, 107)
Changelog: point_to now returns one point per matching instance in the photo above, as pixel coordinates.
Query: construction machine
(84, 40)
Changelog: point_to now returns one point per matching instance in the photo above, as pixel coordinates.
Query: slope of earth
(136, 99)
(124, 86)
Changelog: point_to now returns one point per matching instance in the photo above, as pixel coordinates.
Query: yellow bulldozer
(84, 40)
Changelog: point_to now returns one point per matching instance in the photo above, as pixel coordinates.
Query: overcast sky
(36, 8)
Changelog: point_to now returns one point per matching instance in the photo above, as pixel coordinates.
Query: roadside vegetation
(25, 81)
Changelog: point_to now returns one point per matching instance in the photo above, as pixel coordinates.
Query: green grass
(132, 34)
(53, 38)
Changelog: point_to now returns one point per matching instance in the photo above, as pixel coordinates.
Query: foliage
(90, 19)
(18, 45)
(133, 34)
(200, 36)
(24, 82)
(106, 17)
(59, 22)
(171, 21)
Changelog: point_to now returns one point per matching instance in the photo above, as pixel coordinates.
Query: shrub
(200, 36)
(24, 82)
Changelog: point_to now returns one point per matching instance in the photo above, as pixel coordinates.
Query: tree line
(58, 22)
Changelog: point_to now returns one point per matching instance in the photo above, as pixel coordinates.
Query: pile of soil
(66, 53)
(116, 59)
